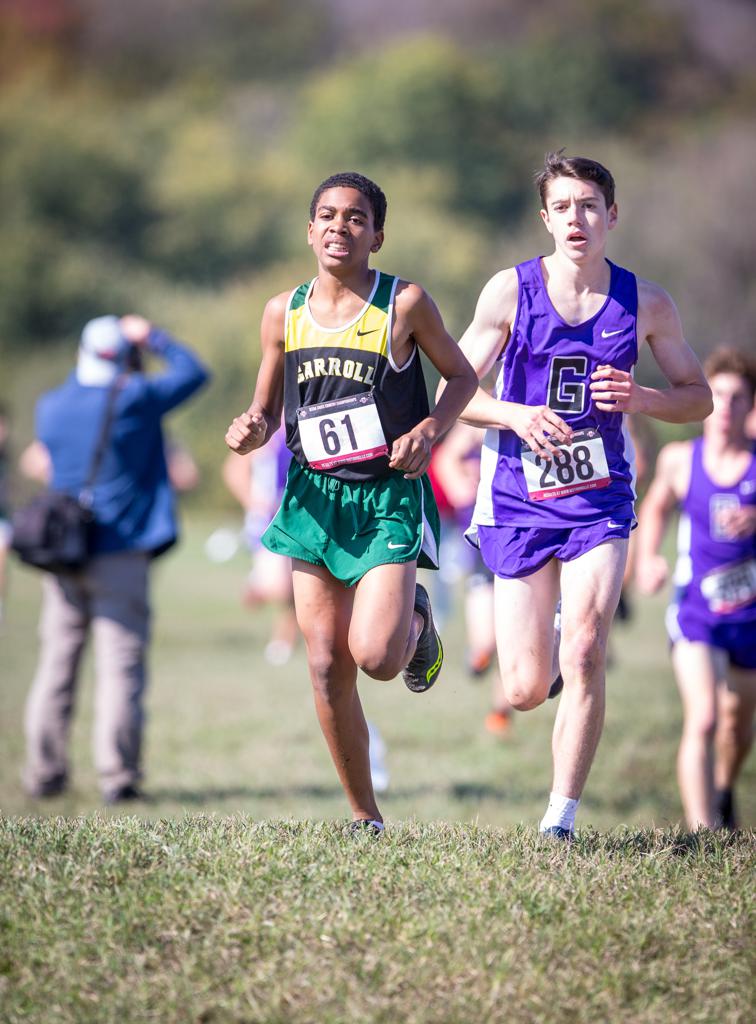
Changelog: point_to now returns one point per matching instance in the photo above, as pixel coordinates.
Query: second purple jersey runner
(715, 599)
(549, 362)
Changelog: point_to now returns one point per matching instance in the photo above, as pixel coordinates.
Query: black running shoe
(423, 670)
(51, 788)
(366, 825)
(724, 806)
(624, 609)
(124, 794)
(556, 687)
(565, 835)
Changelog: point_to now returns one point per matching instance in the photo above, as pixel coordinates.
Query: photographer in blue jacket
(134, 521)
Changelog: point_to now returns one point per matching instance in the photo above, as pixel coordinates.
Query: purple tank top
(549, 362)
(283, 460)
(718, 572)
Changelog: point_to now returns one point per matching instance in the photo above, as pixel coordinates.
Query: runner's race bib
(341, 431)
(579, 466)
(731, 587)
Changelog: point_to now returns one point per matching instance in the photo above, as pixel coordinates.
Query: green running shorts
(350, 527)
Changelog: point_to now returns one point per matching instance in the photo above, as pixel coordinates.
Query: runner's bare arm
(483, 342)
(667, 489)
(418, 320)
(255, 426)
(688, 398)
(236, 477)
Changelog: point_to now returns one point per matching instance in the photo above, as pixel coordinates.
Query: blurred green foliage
(160, 158)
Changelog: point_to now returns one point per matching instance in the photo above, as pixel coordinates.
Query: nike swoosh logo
(604, 334)
(361, 334)
(392, 546)
(615, 526)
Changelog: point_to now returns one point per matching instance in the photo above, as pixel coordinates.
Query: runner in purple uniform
(555, 505)
(712, 621)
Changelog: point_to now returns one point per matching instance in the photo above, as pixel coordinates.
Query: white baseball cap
(102, 351)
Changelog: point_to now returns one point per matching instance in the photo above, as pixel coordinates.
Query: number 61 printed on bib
(341, 431)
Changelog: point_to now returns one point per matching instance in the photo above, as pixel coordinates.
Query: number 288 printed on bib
(578, 466)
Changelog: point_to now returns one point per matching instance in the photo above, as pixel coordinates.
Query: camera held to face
(134, 361)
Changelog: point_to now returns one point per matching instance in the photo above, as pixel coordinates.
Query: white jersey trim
(390, 340)
(683, 572)
(628, 453)
(483, 513)
(353, 321)
(428, 540)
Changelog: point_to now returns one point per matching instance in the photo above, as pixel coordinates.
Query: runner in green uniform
(340, 357)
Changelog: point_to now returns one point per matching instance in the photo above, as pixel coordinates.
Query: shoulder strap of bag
(85, 495)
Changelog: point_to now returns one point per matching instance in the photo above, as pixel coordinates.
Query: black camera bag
(53, 531)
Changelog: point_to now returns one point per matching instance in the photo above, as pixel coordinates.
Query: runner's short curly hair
(351, 179)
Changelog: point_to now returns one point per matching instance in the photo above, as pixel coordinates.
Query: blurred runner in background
(712, 619)
(455, 474)
(257, 482)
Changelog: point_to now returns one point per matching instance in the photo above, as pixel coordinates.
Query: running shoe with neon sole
(423, 669)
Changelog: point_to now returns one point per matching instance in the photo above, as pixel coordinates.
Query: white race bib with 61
(341, 431)
(578, 466)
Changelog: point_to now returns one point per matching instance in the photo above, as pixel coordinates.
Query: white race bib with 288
(341, 431)
(579, 466)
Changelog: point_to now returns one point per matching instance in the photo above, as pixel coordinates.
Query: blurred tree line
(159, 157)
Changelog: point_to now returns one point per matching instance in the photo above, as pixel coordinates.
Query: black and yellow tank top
(345, 399)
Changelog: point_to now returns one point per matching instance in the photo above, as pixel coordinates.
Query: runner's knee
(380, 654)
(525, 689)
(328, 670)
(583, 656)
(378, 664)
(701, 724)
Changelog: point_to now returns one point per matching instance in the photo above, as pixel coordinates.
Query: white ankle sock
(561, 811)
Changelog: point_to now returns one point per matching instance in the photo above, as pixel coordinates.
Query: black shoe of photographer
(123, 794)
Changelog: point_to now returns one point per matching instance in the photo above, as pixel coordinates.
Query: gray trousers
(110, 598)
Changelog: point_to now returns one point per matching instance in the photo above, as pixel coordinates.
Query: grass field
(232, 894)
